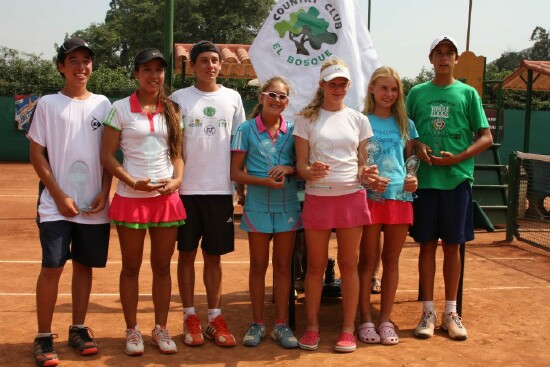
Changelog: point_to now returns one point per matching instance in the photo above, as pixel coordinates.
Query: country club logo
(306, 32)
(209, 111)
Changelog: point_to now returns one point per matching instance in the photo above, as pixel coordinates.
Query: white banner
(299, 35)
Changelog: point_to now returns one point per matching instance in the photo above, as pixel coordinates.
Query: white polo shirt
(210, 119)
(71, 131)
(143, 141)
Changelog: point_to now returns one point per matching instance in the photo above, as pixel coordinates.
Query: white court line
(475, 289)
(2, 195)
(118, 262)
(248, 262)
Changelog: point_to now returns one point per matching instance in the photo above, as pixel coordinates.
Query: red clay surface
(506, 305)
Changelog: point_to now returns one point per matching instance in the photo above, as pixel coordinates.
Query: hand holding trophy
(320, 151)
(269, 152)
(78, 175)
(411, 166)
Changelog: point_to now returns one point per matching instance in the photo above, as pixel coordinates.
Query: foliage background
(131, 25)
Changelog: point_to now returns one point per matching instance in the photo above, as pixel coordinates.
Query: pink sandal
(366, 332)
(388, 334)
(310, 340)
(345, 343)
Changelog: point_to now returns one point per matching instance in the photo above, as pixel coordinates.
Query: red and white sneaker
(134, 342)
(161, 339)
(192, 331)
(218, 331)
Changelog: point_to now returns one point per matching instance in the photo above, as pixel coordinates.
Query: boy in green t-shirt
(447, 113)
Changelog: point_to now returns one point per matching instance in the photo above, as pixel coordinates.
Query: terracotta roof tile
(236, 61)
(541, 76)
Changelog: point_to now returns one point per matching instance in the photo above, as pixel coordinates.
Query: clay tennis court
(505, 308)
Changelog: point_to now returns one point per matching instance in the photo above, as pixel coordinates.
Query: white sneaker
(452, 324)
(426, 325)
(163, 341)
(134, 342)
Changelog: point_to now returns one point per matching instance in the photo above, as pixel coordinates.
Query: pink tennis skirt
(327, 212)
(141, 213)
(391, 212)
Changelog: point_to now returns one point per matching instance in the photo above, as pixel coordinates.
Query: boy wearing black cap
(447, 113)
(211, 116)
(65, 141)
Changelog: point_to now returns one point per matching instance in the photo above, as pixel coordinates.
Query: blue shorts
(261, 222)
(444, 214)
(210, 218)
(87, 244)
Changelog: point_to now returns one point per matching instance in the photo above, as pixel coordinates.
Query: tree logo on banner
(306, 27)
(306, 32)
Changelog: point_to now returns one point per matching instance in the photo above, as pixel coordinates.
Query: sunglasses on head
(273, 95)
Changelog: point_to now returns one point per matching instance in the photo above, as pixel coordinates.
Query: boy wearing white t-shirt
(65, 141)
(211, 114)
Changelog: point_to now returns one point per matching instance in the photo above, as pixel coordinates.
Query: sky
(402, 30)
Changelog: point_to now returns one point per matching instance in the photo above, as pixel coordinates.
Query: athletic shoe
(452, 324)
(283, 335)
(310, 340)
(134, 342)
(82, 339)
(192, 331)
(161, 339)
(44, 354)
(426, 325)
(254, 335)
(218, 331)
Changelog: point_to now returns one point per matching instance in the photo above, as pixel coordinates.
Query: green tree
(541, 49)
(24, 73)
(131, 25)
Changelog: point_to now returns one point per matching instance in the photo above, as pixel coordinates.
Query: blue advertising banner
(24, 108)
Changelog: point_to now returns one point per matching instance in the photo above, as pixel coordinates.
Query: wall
(14, 146)
(514, 121)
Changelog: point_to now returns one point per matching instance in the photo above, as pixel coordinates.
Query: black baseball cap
(70, 45)
(203, 46)
(148, 54)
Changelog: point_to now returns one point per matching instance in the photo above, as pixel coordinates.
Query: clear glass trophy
(152, 149)
(269, 152)
(79, 172)
(436, 130)
(321, 149)
(386, 164)
(369, 151)
(411, 166)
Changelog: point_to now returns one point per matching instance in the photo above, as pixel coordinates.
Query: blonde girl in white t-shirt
(147, 127)
(328, 136)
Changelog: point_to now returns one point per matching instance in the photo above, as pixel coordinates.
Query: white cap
(441, 39)
(335, 71)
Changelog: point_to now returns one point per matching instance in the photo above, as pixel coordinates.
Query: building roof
(541, 76)
(236, 61)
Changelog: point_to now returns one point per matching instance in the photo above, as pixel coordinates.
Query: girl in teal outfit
(385, 107)
(265, 146)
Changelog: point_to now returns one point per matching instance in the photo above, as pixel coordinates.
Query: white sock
(450, 306)
(428, 306)
(80, 326)
(42, 335)
(188, 311)
(213, 313)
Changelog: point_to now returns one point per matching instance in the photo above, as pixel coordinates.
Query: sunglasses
(273, 95)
